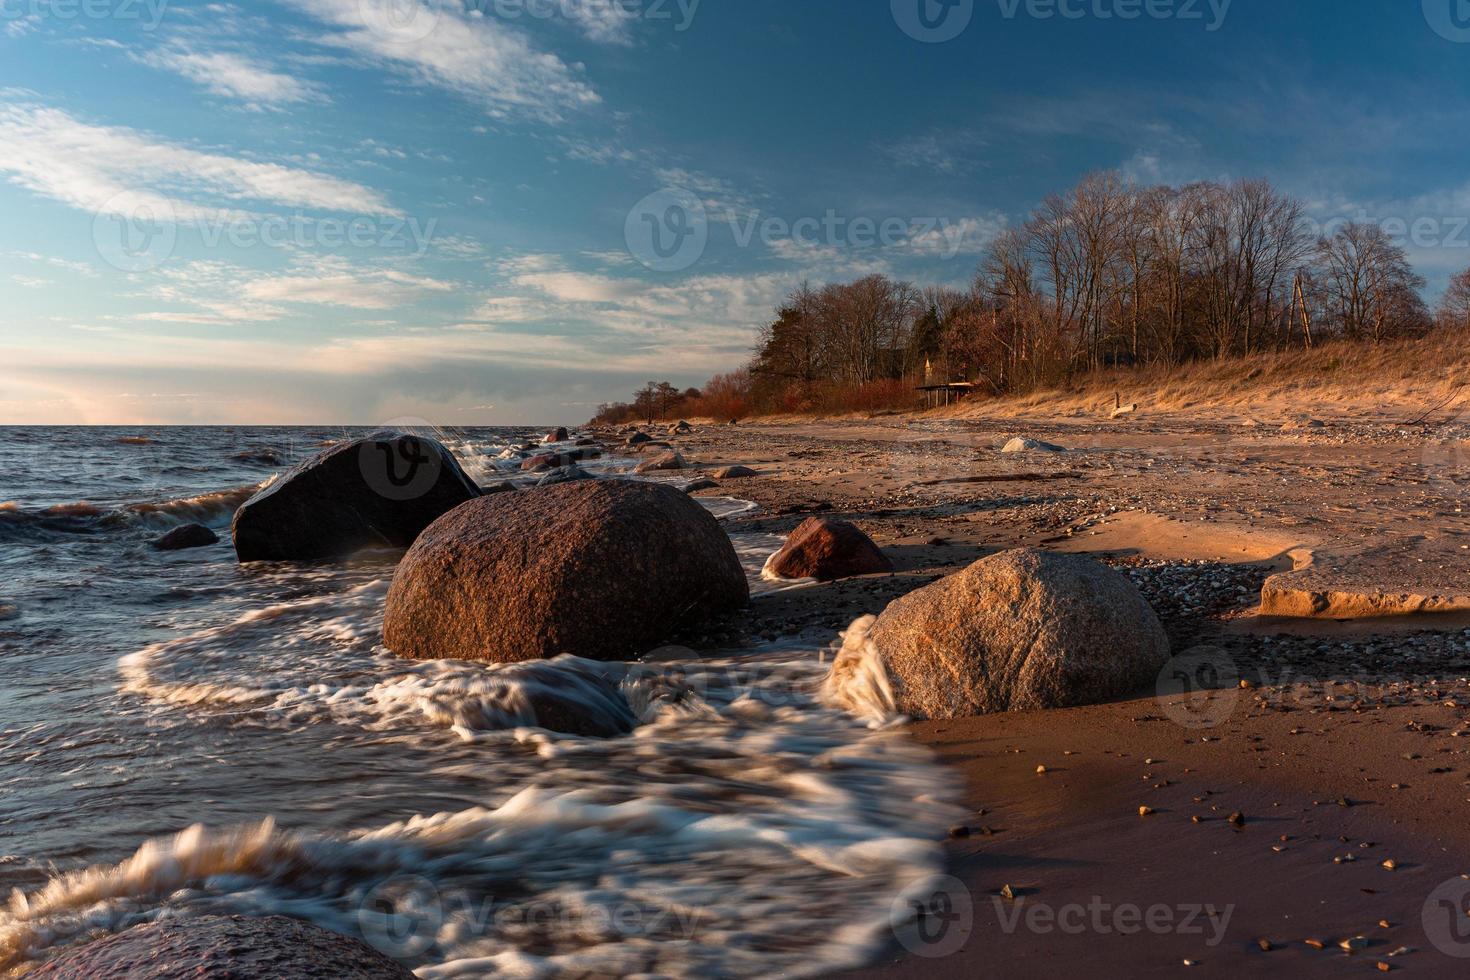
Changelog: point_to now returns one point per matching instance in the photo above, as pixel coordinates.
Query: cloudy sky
(507, 211)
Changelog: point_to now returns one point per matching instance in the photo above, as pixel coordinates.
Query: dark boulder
(188, 536)
(734, 473)
(215, 947)
(601, 569)
(827, 550)
(378, 492)
(560, 434)
(564, 474)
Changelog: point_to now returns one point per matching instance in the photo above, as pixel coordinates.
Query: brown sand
(1346, 747)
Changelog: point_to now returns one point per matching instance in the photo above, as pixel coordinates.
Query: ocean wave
(743, 829)
(565, 883)
(858, 681)
(19, 523)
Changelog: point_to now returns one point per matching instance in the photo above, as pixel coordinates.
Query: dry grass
(1342, 379)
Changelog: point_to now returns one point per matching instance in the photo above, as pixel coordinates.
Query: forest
(1108, 274)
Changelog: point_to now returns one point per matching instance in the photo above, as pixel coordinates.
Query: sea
(182, 735)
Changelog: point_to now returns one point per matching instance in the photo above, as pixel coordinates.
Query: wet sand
(1344, 752)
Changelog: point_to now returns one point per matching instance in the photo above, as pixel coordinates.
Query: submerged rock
(827, 550)
(232, 947)
(601, 569)
(1021, 630)
(368, 493)
(564, 474)
(188, 536)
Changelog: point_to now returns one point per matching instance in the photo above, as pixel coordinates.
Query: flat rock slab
(1401, 580)
(224, 948)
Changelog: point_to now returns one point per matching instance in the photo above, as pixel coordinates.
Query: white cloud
(606, 22)
(219, 294)
(81, 268)
(232, 75)
(30, 282)
(114, 170)
(478, 58)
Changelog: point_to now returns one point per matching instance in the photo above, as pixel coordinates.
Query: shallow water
(181, 735)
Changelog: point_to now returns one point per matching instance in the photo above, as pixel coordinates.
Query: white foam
(744, 829)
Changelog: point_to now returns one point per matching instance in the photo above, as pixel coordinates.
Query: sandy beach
(1301, 819)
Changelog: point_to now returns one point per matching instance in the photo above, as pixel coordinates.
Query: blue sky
(364, 211)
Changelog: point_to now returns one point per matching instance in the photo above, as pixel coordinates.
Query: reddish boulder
(827, 550)
(601, 569)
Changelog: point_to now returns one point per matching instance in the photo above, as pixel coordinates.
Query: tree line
(1107, 274)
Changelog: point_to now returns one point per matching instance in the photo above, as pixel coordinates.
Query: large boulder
(600, 569)
(380, 491)
(734, 473)
(559, 434)
(827, 550)
(1017, 631)
(216, 947)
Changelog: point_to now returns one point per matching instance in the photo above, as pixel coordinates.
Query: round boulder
(601, 569)
(559, 434)
(217, 947)
(1018, 631)
(734, 473)
(378, 492)
(188, 536)
(827, 550)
